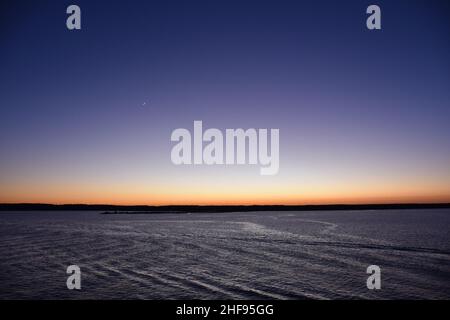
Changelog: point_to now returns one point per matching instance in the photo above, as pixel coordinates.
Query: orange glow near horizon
(227, 187)
(239, 196)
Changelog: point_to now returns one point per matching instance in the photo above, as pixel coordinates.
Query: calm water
(261, 255)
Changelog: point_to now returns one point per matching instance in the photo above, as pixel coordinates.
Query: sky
(86, 115)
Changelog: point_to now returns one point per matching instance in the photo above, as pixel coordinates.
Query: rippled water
(260, 255)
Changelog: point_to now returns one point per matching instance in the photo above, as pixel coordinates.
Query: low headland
(145, 209)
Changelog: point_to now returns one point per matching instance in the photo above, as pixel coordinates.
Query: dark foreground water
(261, 255)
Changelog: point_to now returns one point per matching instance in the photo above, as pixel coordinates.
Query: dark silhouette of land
(144, 209)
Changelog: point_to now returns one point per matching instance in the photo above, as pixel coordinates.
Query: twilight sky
(86, 116)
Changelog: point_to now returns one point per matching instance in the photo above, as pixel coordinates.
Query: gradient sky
(363, 115)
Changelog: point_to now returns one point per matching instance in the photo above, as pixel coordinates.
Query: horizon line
(225, 205)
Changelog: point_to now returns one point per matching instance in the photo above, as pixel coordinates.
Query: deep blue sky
(363, 115)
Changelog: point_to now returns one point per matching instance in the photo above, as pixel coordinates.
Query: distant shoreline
(143, 209)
